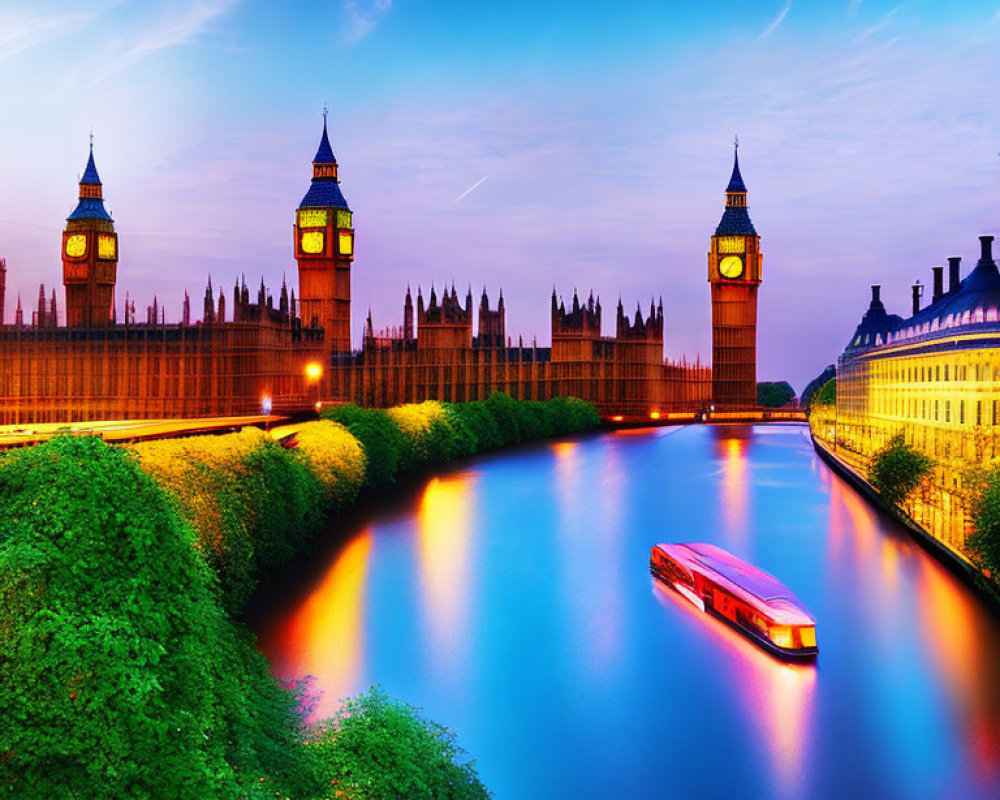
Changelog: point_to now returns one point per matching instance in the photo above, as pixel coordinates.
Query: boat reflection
(777, 696)
(731, 446)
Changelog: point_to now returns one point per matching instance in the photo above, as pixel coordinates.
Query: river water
(510, 598)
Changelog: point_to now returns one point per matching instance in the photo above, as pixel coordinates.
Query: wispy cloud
(182, 27)
(362, 16)
(18, 34)
(777, 21)
(880, 24)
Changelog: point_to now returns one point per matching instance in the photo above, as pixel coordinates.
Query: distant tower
(324, 250)
(734, 273)
(3, 287)
(89, 255)
(408, 316)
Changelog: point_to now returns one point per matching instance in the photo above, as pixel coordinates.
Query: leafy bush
(380, 438)
(119, 674)
(371, 732)
(897, 470)
(336, 457)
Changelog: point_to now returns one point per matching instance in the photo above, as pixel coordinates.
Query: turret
(324, 250)
(89, 254)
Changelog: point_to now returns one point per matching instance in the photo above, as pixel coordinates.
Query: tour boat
(755, 603)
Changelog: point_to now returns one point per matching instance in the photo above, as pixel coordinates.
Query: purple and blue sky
(516, 144)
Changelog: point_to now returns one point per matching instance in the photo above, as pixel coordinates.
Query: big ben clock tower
(734, 273)
(324, 250)
(89, 255)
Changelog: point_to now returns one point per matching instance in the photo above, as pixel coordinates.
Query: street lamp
(265, 406)
(314, 371)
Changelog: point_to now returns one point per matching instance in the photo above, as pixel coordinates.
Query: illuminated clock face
(312, 242)
(731, 267)
(76, 245)
(106, 247)
(346, 243)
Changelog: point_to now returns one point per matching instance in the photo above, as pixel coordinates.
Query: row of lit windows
(936, 372)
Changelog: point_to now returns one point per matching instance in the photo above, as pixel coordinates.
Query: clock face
(731, 267)
(106, 248)
(76, 245)
(312, 242)
(346, 243)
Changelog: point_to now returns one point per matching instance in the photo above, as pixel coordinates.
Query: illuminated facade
(734, 272)
(107, 363)
(932, 377)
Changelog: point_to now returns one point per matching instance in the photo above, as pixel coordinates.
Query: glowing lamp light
(617, 418)
(265, 404)
(314, 371)
(318, 406)
(654, 414)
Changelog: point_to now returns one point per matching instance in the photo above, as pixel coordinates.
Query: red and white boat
(755, 603)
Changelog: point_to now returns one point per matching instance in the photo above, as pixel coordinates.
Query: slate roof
(735, 222)
(90, 208)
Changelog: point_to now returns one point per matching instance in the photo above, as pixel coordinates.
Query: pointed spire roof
(736, 181)
(91, 205)
(324, 192)
(324, 154)
(90, 176)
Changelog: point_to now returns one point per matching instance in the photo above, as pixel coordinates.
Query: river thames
(510, 599)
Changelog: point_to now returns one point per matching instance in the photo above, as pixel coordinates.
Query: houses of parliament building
(240, 347)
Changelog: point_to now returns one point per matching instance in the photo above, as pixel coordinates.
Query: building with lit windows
(106, 361)
(933, 377)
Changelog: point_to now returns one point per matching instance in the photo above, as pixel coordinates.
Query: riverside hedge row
(123, 671)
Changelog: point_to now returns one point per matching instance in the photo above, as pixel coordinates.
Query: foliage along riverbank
(123, 670)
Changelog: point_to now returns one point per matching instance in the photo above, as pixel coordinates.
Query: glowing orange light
(617, 418)
(654, 414)
(314, 371)
(318, 405)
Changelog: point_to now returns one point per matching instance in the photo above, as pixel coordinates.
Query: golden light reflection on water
(731, 446)
(778, 697)
(324, 636)
(444, 550)
(964, 649)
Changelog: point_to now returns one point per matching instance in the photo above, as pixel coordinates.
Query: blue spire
(324, 155)
(736, 181)
(91, 204)
(90, 175)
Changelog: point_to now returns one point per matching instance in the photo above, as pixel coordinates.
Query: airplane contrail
(476, 184)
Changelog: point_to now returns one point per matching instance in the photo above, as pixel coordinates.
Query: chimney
(938, 283)
(876, 290)
(986, 243)
(954, 274)
(918, 290)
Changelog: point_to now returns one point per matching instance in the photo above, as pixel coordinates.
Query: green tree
(897, 470)
(826, 395)
(378, 748)
(983, 545)
(774, 394)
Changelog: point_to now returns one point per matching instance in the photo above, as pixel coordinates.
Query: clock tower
(734, 273)
(89, 255)
(324, 250)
